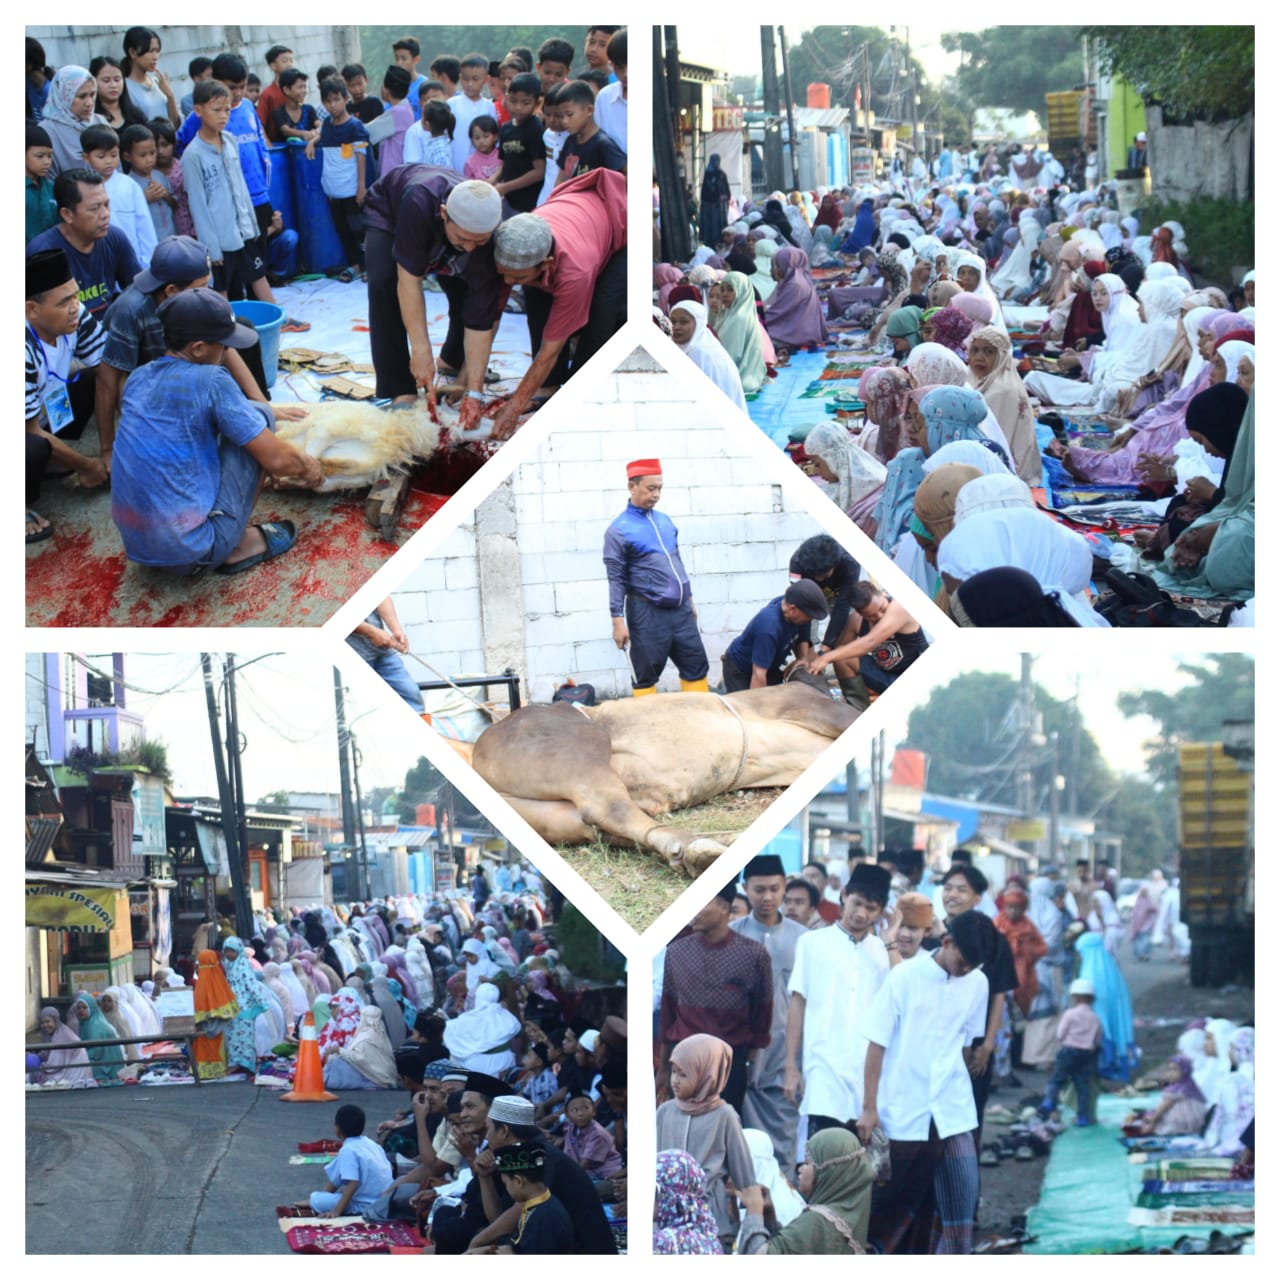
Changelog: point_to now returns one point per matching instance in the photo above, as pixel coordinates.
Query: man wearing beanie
(767, 1106)
(650, 599)
(716, 982)
(756, 658)
(420, 219)
(570, 257)
(59, 327)
(837, 973)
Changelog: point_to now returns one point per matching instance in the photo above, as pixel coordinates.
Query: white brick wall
(737, 533)
(312, 47)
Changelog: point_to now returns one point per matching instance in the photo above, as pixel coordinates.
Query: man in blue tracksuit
(649, 595)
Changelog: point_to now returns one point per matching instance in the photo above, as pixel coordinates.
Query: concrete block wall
(312, 47)
(737, 533)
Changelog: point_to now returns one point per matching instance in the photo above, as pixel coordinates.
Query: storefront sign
(70, 907)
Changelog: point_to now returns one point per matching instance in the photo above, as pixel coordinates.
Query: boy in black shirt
(544, 1226)
(366, 109)
(588, 146)
(520, 141)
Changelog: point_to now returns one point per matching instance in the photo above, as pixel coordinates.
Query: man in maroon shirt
(719, 983)
(271, 99)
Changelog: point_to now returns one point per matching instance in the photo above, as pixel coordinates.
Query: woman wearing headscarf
(800, 233)
(787, 1203)
(392, 1014)
(713, 207)
(1162, 250)
(822, 251)
(934, 506)
(365, 1059)
(69, 111)
(682, 1218)
(270, 1029)
(774, 217)
(793, 314)
(1007, 597)
(271, 976)
(1039, 1037)
(67, 1063)
(863, 232)
(739, 331)
(690, 333)
(241, 1044)
(1215, 556)
(477, 966)
(1235, 1105)
(764, 279)
(665, 278)
(884, 391)
(697, 1120)
(950, 413)
(836, 1181)
(480, 1039)
(950, 328)
(903, 331)
(1142, 919)
(1159, 429)
(1181, 1109)
(974, 307)
(1111, 1002)
(216, 1009)
(971, 276)
(1025, 942)
(828, 213)
(344, 1018)
(992, 373)
(111, 1005)
(893, 511)
(855, 476)
(1059, 559)
(106, 1060)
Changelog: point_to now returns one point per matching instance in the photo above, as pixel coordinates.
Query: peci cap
(644, 467)
(1081, 987)
(511, 1109)
(474, 207)
(201, 315)
(522, 242)
(47, 270)
(175, 260)
(763, 864)
(521, 1158)
(917, 910)
(807, 597)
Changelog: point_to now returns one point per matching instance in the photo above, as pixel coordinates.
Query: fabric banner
(727, 144)
(70, 907)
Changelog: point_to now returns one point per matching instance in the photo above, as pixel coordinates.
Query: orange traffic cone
(308, 1075)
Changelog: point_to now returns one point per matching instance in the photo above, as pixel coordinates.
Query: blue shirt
(768, 639)
(642, 557)
(339, 177)
(103, 273)
(360, 1160)
(165, 470)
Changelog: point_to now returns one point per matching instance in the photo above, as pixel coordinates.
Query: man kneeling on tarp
(191, 451)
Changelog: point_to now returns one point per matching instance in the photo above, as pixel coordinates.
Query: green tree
(1221, 689)
(968, 729)
(1143, 815)
(1014, 67)
(1199, 73)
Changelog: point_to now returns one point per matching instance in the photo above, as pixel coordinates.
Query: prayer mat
(323, 1144)
(1192, 1216)
(364, 1237)
(1233, 1188)
(290, 1216)
(1188, 1144)
(1211, 1167)
(310, 1159)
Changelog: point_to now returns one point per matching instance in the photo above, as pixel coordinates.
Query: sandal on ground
(989, 1157)
(345, 276)
(1024, 1152)
(40, 532)
(292, 325)
(280, 536)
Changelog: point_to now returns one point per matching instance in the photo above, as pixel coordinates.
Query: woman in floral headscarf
(67, 114)
(883, 389)
(682, 1221)
(241, 1044)
(855, 476)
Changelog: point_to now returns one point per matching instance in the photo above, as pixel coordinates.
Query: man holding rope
(380, 640)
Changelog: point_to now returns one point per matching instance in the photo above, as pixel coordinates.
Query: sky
(735, 47)
(286, 711)
(1102, 678)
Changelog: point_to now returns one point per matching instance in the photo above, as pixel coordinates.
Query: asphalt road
(175, 1169)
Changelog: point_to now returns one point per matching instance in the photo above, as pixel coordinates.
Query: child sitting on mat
(544, 1225)
(357, 1175)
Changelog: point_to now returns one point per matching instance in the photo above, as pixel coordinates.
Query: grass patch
(640, 886)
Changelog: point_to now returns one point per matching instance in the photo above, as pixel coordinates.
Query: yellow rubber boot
(694, 686)
(644, 693)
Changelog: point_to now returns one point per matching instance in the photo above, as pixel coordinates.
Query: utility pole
(866, 90)
(791, 118)
(1053, 798)
(915, 93)
(364, 848)
(344, 770)
(1027, 718)
(226, 806)
(673, 197)
(773, 173)
(1075, 751)
(233, 755)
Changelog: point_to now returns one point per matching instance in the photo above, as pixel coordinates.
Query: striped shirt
(50, 366)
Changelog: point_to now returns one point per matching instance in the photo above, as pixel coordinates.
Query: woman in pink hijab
(665, 278)
(974, 307)
(793, 314)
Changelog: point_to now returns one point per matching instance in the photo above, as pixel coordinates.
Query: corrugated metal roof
(820, 117)
(41, 833)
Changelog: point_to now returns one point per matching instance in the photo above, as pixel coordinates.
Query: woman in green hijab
(903, 330)
(836, 1181)
(738, 327)
(106, 1060)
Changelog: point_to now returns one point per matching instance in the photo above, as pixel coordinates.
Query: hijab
(1183, 1085)
(1006, 397)
(244, 986)
(66, 83)
(344, 1018)
(777, 219)
(836, 1218)
(905, 322)
(951, 329)
(793, 314)
(934, 505)
(762, 280)
(106, 1059)
(1026, 944)
(682, 1219)
(1217, 413)
(1059, 559)
(738, 329)
(788, 1204)
(214, 999)
(858, 474)
(486, 1028)
(369, 1050)
(271, 976)
(665, 278)
(893, 513)
(863, 232)
(969, 453)
(931, 365)
(952, 413)
(942, 291)
(977, 309)
(392, 1014)
(828, 215)
(883, 389)
(995, 491)
(707, 1060)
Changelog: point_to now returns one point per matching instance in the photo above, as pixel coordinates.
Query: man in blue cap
(191, 451)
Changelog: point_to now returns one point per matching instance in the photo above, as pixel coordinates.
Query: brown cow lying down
(572, 772)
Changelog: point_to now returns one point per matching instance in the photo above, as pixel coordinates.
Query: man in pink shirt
(569, 256)
(1079, 1032)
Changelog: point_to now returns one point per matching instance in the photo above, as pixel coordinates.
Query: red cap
(1094, 269)
(643, 467)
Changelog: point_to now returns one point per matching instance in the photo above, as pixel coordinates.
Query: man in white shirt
(611, 101)
(837, 973)
(916, 1084)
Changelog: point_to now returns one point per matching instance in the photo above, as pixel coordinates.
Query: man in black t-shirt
(520, 143)
(755, 659)
(823, 560)
(588, 146)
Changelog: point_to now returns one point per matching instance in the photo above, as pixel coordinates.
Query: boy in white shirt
(129, 212)
(916, 1084)
(468, 103)
(611, 101)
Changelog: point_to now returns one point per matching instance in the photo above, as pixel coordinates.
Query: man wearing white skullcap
(422, 219)
(569, 256)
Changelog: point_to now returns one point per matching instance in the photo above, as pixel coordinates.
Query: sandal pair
(279, 535)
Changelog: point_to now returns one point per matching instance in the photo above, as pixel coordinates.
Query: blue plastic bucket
(267, 319)
(321, 249)
(280, 188)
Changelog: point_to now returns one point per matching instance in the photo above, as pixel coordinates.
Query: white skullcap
(511, 1109)
(588, 1040)
(474, 207)
(522, 242)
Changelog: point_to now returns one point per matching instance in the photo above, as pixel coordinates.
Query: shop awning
(77, 908)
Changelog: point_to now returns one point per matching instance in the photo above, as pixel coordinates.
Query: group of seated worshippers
(1004, 473)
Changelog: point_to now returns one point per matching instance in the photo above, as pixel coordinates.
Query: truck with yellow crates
(1215, 863)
